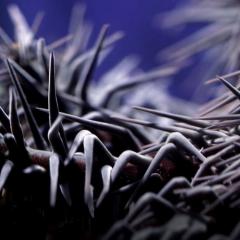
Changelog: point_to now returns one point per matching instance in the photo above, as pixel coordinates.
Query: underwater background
(138, 19)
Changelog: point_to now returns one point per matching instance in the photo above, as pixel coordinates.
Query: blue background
(135, 17)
